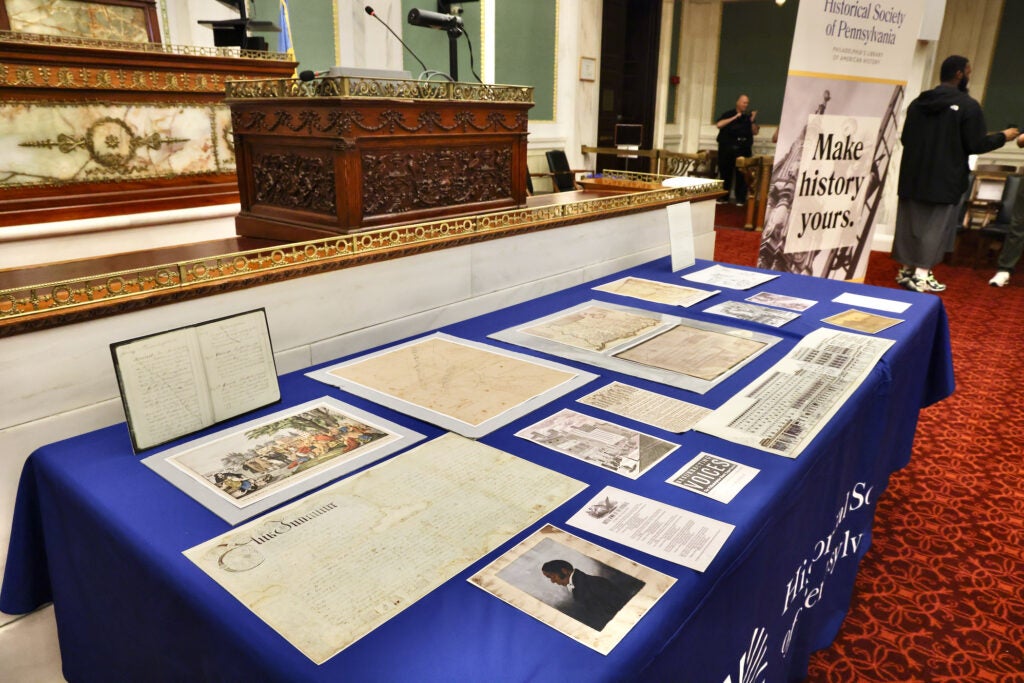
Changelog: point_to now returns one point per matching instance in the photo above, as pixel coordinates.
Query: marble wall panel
(77, 19)
(60, 143)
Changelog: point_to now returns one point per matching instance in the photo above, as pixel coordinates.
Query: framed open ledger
(178, 382)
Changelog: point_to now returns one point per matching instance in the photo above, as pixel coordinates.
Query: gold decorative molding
(377, 88)
(43, 305)
(153, 48)
(88, 78)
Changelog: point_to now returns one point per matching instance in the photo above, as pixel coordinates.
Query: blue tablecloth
(101, 535)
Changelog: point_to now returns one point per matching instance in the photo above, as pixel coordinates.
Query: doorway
(630, 33)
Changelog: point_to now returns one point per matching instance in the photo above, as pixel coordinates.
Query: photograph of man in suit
(596, 599)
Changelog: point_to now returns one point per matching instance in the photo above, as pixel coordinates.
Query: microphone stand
(453, 52)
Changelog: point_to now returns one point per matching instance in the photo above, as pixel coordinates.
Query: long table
(101, 536)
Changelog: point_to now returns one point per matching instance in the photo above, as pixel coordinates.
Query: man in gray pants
(1013, 244)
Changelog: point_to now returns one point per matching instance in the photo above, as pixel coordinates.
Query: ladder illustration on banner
(846, 258)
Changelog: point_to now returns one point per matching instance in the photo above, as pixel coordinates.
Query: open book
(178, 382)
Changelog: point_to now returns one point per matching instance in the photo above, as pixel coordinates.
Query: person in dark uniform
(736, 131)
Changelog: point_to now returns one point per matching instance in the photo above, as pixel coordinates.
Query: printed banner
(844, 94)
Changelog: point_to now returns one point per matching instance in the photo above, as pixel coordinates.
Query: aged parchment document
(461, 385)
(692, 351)
(862, 321)
(688, 354)
(327, 570)
(658, 292)
(595, 328)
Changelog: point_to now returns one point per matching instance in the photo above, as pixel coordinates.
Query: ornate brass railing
(66, 295)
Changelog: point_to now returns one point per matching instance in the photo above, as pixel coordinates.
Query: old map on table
(464, 386)
(681, 352)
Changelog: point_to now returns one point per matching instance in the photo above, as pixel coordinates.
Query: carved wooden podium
(340, 155)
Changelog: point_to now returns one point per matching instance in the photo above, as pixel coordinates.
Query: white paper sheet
(717, 478)
(653, 527)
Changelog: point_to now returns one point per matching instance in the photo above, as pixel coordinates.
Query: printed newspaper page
(605, 444)
(641, 405)
(314, 570)
(714, 477)
(653, 527)
(782, 410)
(792, 303)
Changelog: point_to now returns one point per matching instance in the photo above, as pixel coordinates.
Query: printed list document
(641, 405)
(178, 382)
(782, 410)
(653, 527)
(327, 570)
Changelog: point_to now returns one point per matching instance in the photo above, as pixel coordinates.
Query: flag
(284, 38)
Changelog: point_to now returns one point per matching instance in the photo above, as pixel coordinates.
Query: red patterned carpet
(940, 595)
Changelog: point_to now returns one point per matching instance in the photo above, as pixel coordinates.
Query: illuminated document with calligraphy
(312, 570)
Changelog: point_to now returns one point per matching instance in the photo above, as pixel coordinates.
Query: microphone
(369, 10)
(428, 19)
(308, 75)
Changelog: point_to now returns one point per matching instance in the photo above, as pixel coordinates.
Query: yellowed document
(596, 328)
(862, 321)
(692, 351)
(464, 382)
(327, 570)
(658, 292)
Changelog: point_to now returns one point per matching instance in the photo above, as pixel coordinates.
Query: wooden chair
(757, 172)
(977, 243)
(563, 177)
(985, 196)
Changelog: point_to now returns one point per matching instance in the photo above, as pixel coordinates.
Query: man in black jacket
(944, 126)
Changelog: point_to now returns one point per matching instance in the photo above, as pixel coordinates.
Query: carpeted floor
(940, 595)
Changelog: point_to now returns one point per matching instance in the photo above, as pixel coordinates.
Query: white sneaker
(1000, 279)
